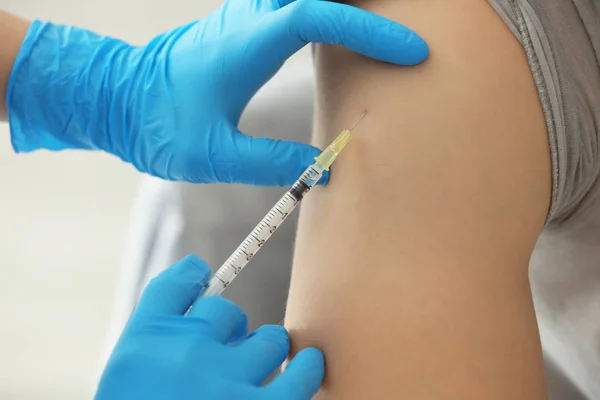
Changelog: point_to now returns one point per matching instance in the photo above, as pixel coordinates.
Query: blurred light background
(64, 225)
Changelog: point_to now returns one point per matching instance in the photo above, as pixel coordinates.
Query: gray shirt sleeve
(561, 39)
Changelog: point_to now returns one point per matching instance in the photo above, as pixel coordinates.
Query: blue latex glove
(171, 108)
(164, 355)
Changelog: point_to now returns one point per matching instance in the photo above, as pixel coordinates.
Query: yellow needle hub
(328, 156)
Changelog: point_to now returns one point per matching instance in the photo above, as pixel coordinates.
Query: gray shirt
(562, 40)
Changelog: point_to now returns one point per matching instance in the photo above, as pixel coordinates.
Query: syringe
(275, 217)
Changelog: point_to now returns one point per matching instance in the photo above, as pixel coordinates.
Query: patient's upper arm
(410, 270)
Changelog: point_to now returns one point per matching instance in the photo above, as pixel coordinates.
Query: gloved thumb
(301, 378)
(369, 34)
(267, 347)
(262, 161)
(174, 290)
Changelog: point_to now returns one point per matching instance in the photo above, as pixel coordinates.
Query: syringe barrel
(262, 232)
(214, 287)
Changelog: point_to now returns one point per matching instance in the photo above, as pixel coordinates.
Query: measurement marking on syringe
(290, 197)
(222, 281)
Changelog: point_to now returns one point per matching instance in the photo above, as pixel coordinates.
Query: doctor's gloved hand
(171, 108)
(164, 355)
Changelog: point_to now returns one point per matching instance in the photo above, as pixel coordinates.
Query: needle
(357, 122)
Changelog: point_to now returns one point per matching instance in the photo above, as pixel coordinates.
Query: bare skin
(12, 32)
(410, 270)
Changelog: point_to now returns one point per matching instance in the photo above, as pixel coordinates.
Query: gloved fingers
(282, 3)
(262, 161)
(266, 349)
(271, 5)
(175, 289)
(223, 320)
(358, 30)
(301, 378)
